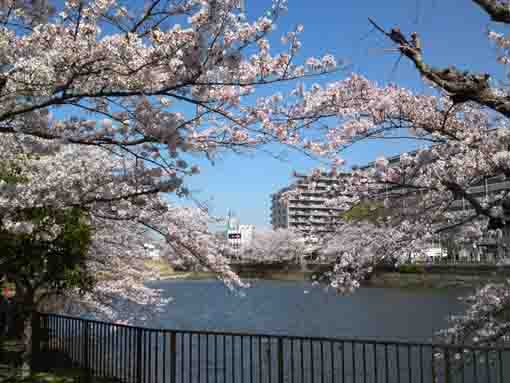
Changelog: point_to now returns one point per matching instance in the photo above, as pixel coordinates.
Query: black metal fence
(142, 355)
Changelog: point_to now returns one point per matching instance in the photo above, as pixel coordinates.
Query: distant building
(151, 251)
(488, 249)
(305, 210)
(238, 236)
(246, 234)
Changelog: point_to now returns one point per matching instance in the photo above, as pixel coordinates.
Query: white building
(151, 251)
(246, 232)
(239, 236)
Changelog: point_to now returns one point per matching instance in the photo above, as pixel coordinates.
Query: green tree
(365, 211)
(44, 254)
(43, 263)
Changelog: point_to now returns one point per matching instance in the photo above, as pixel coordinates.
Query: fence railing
(142, 355)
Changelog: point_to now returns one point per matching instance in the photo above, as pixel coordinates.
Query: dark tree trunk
(24, 307)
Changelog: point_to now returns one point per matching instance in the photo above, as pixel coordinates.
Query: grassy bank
(429, 281)
(407, 278)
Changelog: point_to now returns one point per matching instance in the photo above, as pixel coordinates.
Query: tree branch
(460, 86)
(497, 11)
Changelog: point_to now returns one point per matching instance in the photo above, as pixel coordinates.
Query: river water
(298, 308)
(291, 308)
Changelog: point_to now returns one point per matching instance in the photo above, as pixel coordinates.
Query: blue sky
(453, 32)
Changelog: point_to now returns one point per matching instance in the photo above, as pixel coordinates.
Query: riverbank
(429, 281)
(409, 277)
(381, 279)
(201, 275)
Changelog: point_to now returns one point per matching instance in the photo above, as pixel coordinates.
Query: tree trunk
(24, 307)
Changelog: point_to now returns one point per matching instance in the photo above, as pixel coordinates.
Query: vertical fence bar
(190, 353)
(198, 360)
(131, 357)
(207, 358)
(322, 360)
(446, 365)
(421, 364)
(269, 364)
(353, 347)
(280, 361)
(242, 359)
(332, 352)
(100, 355)
(182, 357)
(139, 355)
(156, 356)
(375, 363)
(113, 353)
(475, 361)
(96, 338)
(86, 347)
(312, 369)
(36, 342)
(343, 361)
(58, 337)
(461, 353)
(409, 369)
(93, 350)
(487, 366)
(251, 359)
(500, 357)
(233, 367)
(224, 359)
(68, 339)
(123, 352)
(215, 358)
(364, 363)
(292, 360)
(301, 349)
(163, 357)
(145, 367)
(173, 356)
(104, 357)
(386, 363)
(148, 347)
(70, 343)
(117, 331)
(397, 355)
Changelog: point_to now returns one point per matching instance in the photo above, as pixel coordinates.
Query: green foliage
(365, 211)
(15, 376)
(11, 172)
(53, 255)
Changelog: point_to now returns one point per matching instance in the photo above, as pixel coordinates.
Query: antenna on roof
(242, 6)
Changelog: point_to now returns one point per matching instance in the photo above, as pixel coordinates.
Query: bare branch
(460, 86)
(497, 11)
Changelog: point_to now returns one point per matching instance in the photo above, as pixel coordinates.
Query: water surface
(298, 308)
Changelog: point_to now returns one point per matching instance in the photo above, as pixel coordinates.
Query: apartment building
(305, 210)
(489, 248)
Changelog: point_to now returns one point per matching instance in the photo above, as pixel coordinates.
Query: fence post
(86, 348)
(173, 357)
(139, 356)
(447, 366)
(36, 342)
(280, 361)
